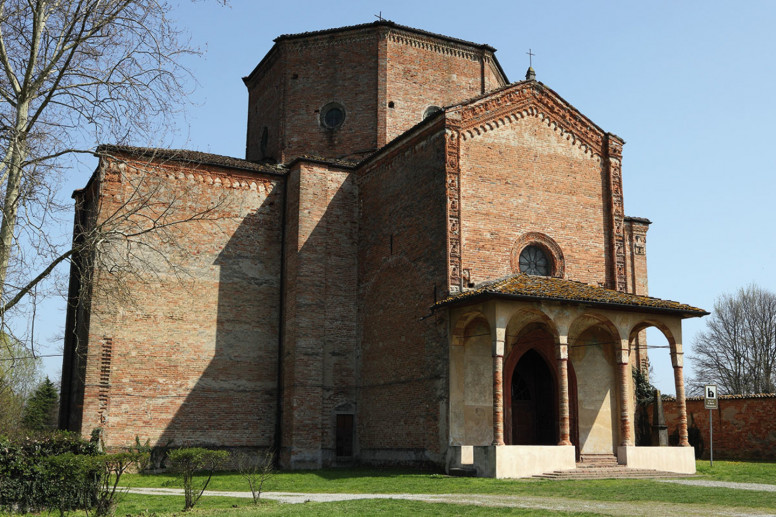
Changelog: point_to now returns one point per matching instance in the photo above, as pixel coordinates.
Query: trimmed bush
(191, 461)
(35, 469)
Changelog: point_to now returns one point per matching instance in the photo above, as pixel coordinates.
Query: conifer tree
(40, 413)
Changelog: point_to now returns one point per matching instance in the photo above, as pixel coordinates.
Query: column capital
(562, 348)
(623, 353)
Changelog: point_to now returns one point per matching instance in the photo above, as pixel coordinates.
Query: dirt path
(537, 503)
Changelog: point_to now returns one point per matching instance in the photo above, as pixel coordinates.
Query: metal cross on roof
(530, 57)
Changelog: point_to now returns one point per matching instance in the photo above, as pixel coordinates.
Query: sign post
(710, 402)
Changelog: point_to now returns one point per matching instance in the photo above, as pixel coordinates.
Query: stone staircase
(603, 466)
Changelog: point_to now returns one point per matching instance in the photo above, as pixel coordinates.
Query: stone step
(463, 472)
(597, 460)
(605, 473)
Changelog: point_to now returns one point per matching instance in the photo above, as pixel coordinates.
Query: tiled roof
(383, 23)
(194, 157)
(538, 288)
(348, 163)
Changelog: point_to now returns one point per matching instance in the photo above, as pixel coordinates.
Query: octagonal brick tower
(345, 92)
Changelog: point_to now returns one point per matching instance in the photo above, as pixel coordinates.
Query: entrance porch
(538, 382)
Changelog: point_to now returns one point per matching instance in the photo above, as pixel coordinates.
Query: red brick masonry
(744, 427)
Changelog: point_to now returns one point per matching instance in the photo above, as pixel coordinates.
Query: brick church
(417, 262)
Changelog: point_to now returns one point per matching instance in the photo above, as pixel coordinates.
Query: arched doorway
(534, 402)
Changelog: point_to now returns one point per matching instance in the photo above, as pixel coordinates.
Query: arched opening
(657, 370)
(534, 402)
(592, 355)
(471, 383)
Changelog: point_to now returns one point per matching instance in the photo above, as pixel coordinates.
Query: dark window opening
(264, 141)
(534, 261)
(332, 115)
(344, 436)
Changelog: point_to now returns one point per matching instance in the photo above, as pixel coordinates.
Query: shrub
(191, 461)
(70, 481)
(256, 468)
(35, 469)
(110, 468)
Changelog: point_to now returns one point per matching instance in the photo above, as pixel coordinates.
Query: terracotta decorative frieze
(449, 49)
(614, 157)
(532, 100)
(453, 172)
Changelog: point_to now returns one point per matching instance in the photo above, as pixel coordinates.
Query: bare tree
(737, 351)
(73, 73)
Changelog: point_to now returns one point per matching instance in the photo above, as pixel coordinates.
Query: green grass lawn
(385, 481)
(738, 471)
(138, 505)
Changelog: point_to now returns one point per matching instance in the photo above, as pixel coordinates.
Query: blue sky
(688, 85)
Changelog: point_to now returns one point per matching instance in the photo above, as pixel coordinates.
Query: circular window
(332, 115)
(534, 261)
(431, 111)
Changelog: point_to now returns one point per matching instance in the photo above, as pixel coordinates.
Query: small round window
(332, 115)
(534, 261)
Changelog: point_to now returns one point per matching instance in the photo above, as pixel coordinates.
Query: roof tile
(528, 287)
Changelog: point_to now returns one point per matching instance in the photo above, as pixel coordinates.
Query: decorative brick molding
(106, 354)
(531, 99)
(453, 172)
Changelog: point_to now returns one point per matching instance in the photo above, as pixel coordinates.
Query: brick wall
(744, 427)
(183, 348)
(266, 99)
(421, 72)
(384, 76)
(402, 403)
(307, 75)
(527, 177)
(320, 307)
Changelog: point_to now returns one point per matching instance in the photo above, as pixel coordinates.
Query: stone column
(564, 420)
(498, 400)
(676, 359)
(624, 373)
(498, 386)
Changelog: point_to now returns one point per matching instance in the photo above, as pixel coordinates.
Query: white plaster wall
(457, 436)
(471, 389)
(518, 461)
(478, 389)
(668, 459)
(597, 397)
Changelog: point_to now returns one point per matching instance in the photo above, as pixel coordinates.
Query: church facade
(417, 262)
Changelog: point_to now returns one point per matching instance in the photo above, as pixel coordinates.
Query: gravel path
(530, 502)
(721, 484)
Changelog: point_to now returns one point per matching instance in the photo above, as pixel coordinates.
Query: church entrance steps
(597, 460)
(619, 472)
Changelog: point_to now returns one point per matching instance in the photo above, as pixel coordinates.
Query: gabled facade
(417, 263)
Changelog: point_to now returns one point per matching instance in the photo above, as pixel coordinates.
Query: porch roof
(542, 288)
